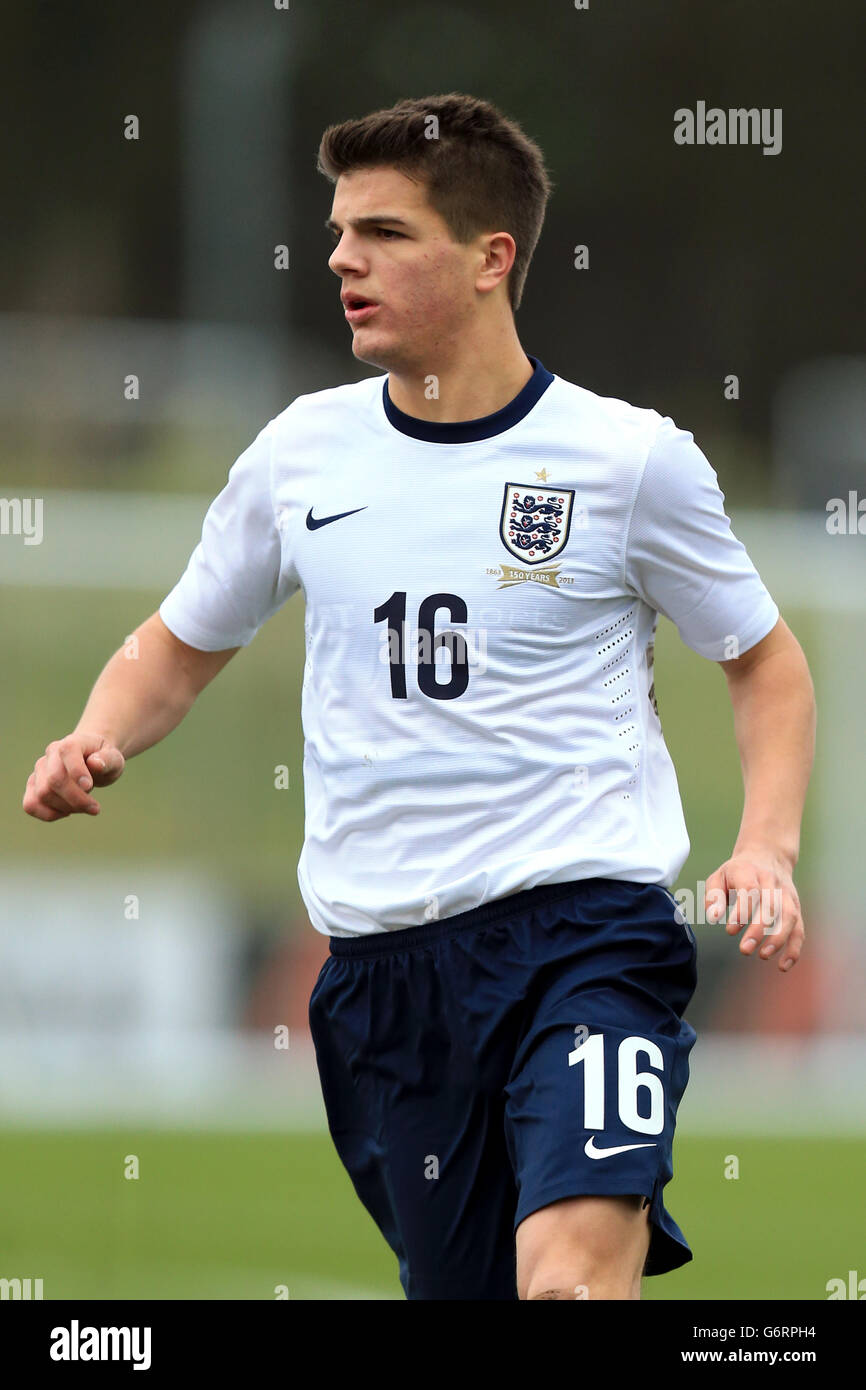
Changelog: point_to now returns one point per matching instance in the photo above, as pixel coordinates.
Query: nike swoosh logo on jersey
(313, 523)
(592, 1152)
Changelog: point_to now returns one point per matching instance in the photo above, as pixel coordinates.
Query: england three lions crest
(535, 521)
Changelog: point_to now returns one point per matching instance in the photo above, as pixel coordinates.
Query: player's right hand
(61, 781)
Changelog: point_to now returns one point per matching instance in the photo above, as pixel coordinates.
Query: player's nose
(346, 258)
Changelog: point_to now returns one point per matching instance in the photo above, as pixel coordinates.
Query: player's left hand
(757, 888)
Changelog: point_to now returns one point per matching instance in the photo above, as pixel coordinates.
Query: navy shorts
(477, 1068)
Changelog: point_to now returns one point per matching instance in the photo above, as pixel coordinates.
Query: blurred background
(161, 1128)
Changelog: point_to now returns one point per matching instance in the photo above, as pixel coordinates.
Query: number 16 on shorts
(639, 1093)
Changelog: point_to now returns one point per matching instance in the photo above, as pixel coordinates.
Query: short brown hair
(482, 172)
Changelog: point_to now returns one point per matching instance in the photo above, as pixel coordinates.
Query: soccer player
(493, 824)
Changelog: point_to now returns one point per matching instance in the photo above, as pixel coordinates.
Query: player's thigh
(603, 1063)
(592, 1101)
(418, 1122)
(581, 1243)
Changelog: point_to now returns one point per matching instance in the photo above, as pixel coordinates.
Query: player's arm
(773, 700)
(236, 578)
(683, 558)
(143, 693)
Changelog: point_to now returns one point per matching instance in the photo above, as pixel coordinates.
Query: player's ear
(499, 249)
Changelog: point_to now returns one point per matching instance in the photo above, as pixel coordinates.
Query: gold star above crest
(542, 475)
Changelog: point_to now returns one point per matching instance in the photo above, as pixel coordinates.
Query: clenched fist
(60, 783)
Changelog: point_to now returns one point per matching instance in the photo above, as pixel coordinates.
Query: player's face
(407, 287)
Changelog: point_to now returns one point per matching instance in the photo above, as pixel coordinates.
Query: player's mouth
(358, 308)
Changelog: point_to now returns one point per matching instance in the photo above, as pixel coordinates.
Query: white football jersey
(481, 601)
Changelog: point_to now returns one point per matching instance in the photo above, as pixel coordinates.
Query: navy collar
(470, 431)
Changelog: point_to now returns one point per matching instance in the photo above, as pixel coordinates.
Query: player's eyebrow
(376, 220)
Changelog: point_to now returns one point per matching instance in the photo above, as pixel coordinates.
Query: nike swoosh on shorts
(592, 1152)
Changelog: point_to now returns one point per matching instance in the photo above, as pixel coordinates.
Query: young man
(492, 818)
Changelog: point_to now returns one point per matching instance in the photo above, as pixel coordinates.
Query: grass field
(215, 1216)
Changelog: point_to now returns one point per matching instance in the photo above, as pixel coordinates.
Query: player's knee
(548, 1288)
(581, 1279)
(559, 1293)
(583, 1275)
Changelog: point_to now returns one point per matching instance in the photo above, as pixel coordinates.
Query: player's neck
(476, 380)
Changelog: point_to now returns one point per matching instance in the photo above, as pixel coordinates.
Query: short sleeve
(682, 557)
(235, 579)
